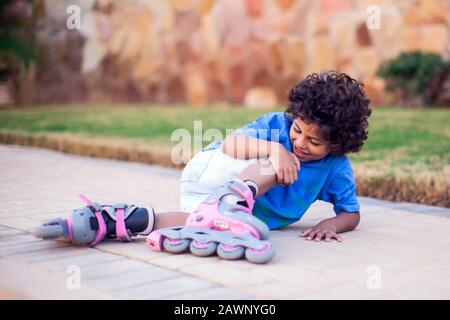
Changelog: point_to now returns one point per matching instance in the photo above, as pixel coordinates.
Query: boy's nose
(301, 143)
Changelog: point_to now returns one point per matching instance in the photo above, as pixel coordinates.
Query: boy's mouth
(300, 153)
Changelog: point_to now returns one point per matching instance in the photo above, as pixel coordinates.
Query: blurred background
(115, 78)
(204, 52)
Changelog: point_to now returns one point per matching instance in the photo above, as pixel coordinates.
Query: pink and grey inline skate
(91, 224)
(222, 224)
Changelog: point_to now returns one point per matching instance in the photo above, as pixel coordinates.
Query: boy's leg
(170, 219)
(261, 173)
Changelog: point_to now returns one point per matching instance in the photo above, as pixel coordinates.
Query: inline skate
(222, 224)
(94, 222)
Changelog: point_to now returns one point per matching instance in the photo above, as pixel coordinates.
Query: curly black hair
(337, 104)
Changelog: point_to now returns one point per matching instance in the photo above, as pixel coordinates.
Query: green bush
(416, 78)
(16, 40)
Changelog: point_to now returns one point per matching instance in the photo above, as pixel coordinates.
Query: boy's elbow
(356, 218)
(225, 146)
(222, 146)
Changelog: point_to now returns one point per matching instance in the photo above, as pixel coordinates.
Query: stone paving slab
(399, 250)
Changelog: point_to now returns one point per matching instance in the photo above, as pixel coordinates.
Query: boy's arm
(284, 163)
(343, 222)
(329, 228)
(245, 147)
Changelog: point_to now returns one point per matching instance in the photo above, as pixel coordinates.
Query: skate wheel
(230, 252)
(175, 245)
(260, 256)
(203, 249)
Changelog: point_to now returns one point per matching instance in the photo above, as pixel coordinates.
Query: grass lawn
(412, 144)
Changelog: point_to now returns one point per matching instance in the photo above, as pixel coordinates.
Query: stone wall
(207, 52)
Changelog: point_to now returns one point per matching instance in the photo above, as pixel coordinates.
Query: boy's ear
(328, 146)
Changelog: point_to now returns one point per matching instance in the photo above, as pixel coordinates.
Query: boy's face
(306, 144)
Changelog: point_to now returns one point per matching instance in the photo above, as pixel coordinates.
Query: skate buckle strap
(69, 227)
(95, 208)
(239, 187)
(121, 230)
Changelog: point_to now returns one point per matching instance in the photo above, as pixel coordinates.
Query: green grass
(399, 139)
(146, 123)
(406, 140)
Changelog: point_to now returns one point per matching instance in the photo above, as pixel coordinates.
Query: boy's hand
(285, 164)
(321, 232)
(329, 228)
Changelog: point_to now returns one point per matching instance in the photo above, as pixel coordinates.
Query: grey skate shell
(82, 234)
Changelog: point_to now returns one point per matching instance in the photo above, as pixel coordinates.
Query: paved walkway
(399, 250)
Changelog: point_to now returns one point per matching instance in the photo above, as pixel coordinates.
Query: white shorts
(206, 171)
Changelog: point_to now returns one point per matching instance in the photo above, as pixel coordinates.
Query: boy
(290, 159)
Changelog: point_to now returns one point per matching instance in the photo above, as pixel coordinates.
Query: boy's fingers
(280, 176)
(285, 176)
(305, 232)
(289, 175)
(334, 235)
(312, 234)
(319, 236)
(337, 237)
(292, 175)
(296, 161)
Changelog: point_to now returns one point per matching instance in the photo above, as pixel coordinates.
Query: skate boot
(94, 222)
(222, 224)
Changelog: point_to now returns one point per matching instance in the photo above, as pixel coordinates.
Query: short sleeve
(340, 190)
(266, 127)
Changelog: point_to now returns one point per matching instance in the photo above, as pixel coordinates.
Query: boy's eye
(315, 144)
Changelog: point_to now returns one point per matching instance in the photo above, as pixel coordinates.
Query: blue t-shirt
(329, 179)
